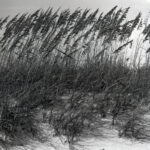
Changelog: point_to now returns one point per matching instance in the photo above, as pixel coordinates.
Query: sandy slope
(111, 142)
(105, 138)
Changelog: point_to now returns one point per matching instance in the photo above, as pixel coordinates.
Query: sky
(12, 7)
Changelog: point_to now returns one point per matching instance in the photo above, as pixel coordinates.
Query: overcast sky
(11, 7)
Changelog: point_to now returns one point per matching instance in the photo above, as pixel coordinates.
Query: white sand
(108, 140)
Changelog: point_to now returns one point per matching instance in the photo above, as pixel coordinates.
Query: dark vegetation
(44, 55)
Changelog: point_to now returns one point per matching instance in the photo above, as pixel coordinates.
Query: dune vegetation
(46, 55)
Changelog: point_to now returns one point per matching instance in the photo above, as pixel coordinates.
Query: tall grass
(46, 53)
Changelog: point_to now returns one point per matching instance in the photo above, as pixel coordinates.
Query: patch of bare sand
(105, 138)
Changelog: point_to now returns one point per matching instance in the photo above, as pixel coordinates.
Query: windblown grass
(45, 54)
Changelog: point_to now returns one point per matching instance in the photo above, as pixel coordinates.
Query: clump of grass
(134, 124)
(17, 121)
(75, 116)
